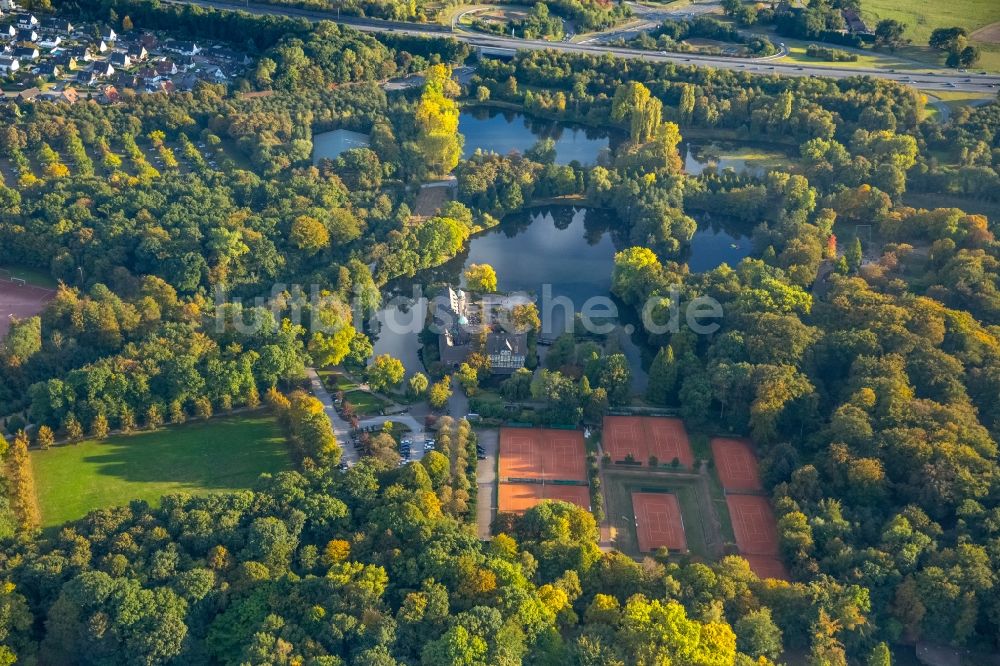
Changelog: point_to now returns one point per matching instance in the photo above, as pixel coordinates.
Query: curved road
(941, 79)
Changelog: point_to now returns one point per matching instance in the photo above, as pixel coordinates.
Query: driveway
(458, 403)
(341, 428)
(418, 436)
(486, 479)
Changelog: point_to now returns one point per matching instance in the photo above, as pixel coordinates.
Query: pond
(494, 130)
(560, 254)
(329, 145)
(500, 131)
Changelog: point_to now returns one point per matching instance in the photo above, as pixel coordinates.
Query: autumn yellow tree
(21, 483)
(436, 120)
(481, 278)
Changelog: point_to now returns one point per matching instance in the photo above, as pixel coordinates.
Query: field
(646, 436)
(921, 18)
(658, 522)
(20, 300)
(756, 533)
(703, 531)
(530, 459)
(519, 497)
(534, 453)
(736, 464)
(226, 453)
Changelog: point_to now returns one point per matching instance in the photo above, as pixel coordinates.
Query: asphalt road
(940, 79)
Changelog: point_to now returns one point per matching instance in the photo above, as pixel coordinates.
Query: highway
(929, 79)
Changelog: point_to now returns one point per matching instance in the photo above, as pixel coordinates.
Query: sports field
(519, 497)
(645, 436)
(20, 299)
(703, 530)
(225, 453)
(658, 521)
(736, 464)
(756, 533)
(539, 453)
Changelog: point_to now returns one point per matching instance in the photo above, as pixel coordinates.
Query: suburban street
(932, 79)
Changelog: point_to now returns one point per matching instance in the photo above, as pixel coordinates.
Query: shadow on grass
(224, 453)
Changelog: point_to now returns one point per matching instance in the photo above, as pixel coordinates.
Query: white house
(28, 21)
(26, 53)
(184, 48)
(50, 41)
(8, 5)
(109, 35)
(9, 65)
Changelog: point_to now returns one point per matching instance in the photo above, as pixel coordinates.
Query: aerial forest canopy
(868, 374)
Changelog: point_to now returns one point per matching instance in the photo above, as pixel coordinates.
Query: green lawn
(921, 18)
(33, 276)
(225, 453)
(365, 403)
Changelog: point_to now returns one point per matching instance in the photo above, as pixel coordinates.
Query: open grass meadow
(223, 454)
(921, 18)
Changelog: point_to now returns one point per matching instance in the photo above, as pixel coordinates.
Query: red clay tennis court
(645, 436)
(754, 526)
(519, 497)
(538, 453)
(658, 521)
(766, 566)
(736, 463)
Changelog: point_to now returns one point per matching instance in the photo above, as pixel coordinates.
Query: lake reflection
(561, 252)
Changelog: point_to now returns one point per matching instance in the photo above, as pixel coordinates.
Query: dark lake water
(560, 254)
(499, 131)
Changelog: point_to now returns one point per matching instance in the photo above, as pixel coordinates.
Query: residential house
(66, 61)
(10, 31)
(59, 25)
(109, 95)
(29, 95)
(184, 48)
(127, 80)
(101, 47)
(166, 68)
(216, 74)
(86, 77)
(28, 35)
(109, 35)
(148, 41)
(28, 21)
(50, 41)
(68, 95)
(26, 53)
(9, 65)
(81, 53)
(138, 53)
(49, 70)
(103, 70)
(8, 5)
(120, 59)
